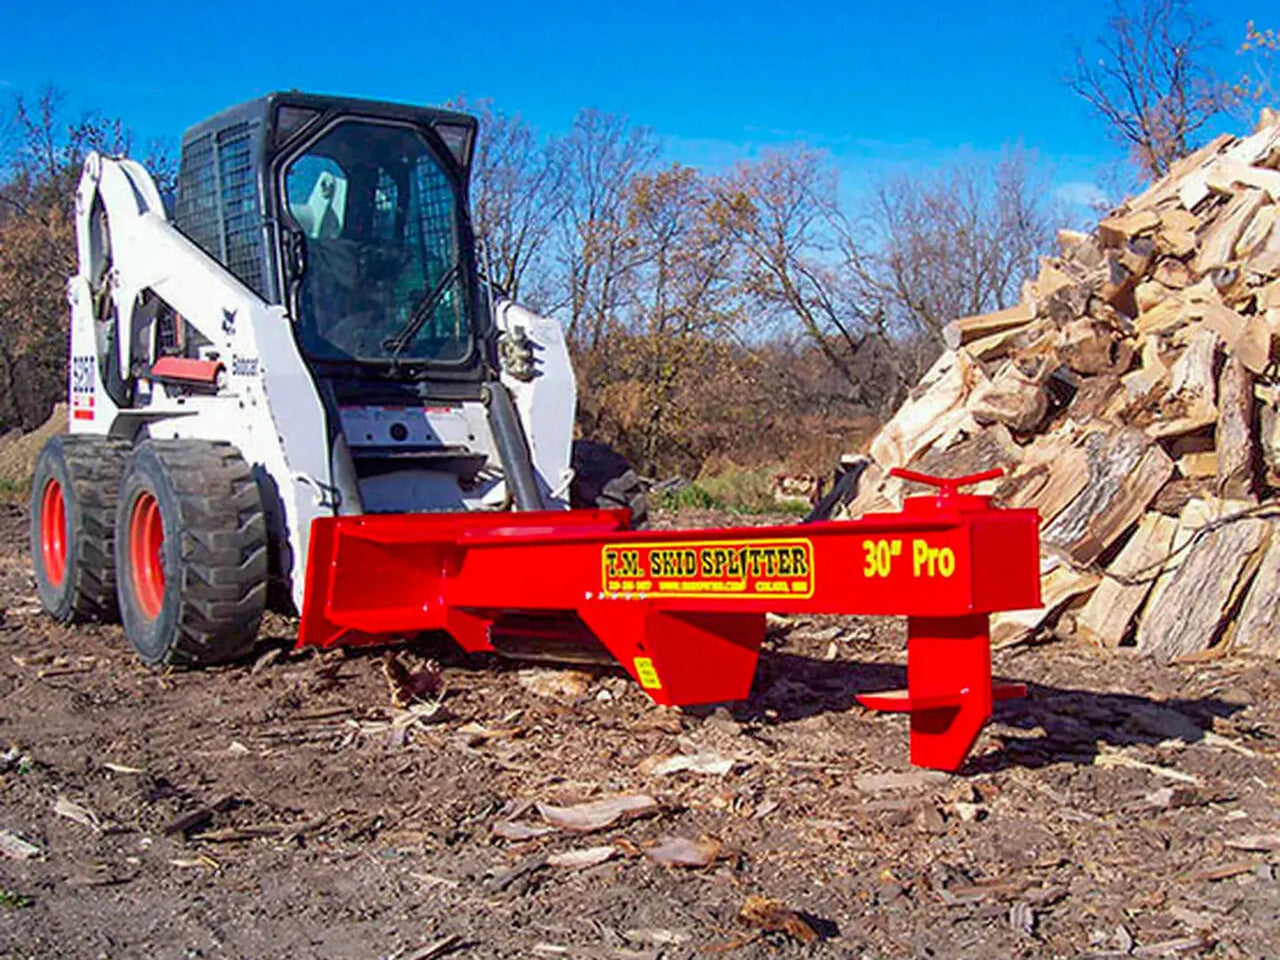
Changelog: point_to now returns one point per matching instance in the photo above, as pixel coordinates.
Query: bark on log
(935, 406)
(1255, 629)
(1106, 618)
(989, 448)
(1217, 244)
(1188, 616)
(1126, 471)
(1269, 440)
(1054, 471)
(1091, 347)
(1013, 397)
(1092, 397)
(1191, 402)
(1233, 438)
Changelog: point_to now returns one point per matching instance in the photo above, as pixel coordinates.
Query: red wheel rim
(53, 532)
(146, 536)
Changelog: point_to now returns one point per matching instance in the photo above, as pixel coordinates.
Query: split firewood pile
(1133, 399)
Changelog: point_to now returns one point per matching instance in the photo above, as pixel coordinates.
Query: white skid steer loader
(306, 336)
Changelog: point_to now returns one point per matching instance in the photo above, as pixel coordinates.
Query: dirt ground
(284, 808)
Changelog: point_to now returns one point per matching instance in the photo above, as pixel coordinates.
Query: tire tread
(223, 546)
(94, 466)
(604, 479)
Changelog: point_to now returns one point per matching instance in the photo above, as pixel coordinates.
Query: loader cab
(352, 215)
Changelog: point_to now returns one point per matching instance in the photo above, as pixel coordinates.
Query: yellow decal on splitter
(879, 556)
(748, 569)
(645, 673)
(927, 561)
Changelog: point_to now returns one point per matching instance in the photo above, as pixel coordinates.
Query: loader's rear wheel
(191, 552)
(53, 532)
(603, 478)
(73, 504)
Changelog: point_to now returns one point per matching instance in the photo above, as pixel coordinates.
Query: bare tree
(800, 265)
(1147, 77)
(682, 306)
(42, 168)
(39, 173)
(516, 195)
(1257, 83)
(599, 157)
(956, 243)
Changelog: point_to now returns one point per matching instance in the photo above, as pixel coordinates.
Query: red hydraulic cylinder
(683, 611)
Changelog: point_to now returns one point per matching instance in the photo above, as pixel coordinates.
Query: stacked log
(1133, 398)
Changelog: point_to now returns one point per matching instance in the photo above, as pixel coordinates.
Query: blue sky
(882, 86)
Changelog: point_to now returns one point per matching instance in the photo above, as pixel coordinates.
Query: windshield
(383, 248)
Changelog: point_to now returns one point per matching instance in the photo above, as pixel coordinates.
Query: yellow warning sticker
(754, 569)
(645, 673)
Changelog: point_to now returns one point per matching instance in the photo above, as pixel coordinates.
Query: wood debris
(555, 684)
(1259, 842)
(684, 852)
(908, 780)
(581, 859)
(704, 761)
(515, 830)
(15, 847)
(79, 813)
(598, 814)
(1109, 759)
(122, 768)
(477, 734)
(203, 861)
(409, 685)
(436, 949)
(1133, 398)
(776, 916)
(193, 820)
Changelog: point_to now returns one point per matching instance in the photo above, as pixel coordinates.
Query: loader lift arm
(684, 611)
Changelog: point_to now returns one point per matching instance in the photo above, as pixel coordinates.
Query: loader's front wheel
(603, 478)
(191, 552)
(73, 504)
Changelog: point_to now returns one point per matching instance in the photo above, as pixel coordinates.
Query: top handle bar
(947, 486)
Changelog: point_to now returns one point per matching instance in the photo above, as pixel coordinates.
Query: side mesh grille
(240, 216)
(196, 212)
(218, 204)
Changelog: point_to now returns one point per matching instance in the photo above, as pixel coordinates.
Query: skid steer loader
(299, 384)
(307, 335)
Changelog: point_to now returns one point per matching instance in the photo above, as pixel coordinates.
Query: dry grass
(19, 451)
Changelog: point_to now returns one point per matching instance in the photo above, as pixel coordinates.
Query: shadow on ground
(1063, 724)
(1069, 723)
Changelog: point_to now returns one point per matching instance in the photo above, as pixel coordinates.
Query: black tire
(73, 512)
(191, 553)
(603, 478)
